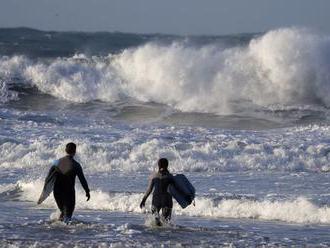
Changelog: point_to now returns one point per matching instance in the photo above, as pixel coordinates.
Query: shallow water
(232, 210)
(26, 226)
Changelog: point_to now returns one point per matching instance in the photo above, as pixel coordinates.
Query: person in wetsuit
(161, 199)
(67, 169)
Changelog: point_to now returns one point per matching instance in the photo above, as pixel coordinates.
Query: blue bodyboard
(182, 190)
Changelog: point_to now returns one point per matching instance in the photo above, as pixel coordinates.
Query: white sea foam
(285, 66)
(7, 187)
(299, 210)
(189, 149)
(6, 94)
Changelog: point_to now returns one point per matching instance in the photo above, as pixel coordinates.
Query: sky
(184, 17)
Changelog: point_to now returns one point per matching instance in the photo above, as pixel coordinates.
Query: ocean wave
(188, 149)
(297, 210)
(287, 66)
(6, 94)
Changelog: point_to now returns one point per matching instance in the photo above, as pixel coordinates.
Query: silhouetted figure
(66, 169)
(161, 199)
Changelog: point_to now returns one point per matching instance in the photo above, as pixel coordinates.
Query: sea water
(244, 117)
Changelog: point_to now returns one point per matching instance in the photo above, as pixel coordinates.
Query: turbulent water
(245, 117)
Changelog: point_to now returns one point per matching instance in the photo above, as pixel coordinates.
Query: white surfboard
(49, 184)
(48, 187)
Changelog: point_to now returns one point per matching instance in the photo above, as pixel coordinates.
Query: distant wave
(282, 67)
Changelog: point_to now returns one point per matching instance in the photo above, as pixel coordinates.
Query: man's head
(162, 164)
(70, 148)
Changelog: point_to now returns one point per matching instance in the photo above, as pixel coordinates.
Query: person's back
(161, 199)
(66, 170)
(161, 181)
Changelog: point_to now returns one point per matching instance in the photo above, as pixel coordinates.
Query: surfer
(161, 199)
(66, 169)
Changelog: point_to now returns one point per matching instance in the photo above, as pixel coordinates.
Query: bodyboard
(48, 186)
(182, 190)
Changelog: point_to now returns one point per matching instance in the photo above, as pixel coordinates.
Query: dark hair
(163, 163)
(70, 148)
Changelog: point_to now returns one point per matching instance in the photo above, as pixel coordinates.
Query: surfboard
(48, 186)
(183, 191)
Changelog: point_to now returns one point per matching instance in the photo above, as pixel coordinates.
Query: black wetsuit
(64, 192)
(161, 199)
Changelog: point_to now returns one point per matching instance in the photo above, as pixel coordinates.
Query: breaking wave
(138, 149)
(298, 210)
(6, 94)
(282, 67)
